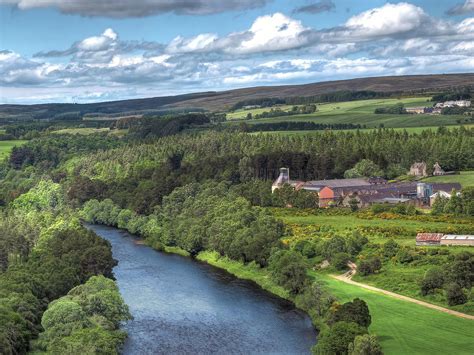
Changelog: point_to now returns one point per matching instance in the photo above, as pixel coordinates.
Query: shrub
(340, 261)
(390, 248)
(434, 278)
(365, 345)
(356, 311)
(288, 269)
(455, 294)
(336, 339)
(370, 266)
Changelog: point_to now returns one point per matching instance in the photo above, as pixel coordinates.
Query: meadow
(88, 130)
(402, 278)
(6, 146)
(407, 229)
(411, 130)
(359, 112)
(465, 178)
(407, 328)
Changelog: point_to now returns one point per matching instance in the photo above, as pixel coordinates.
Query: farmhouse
(428, 238)
(452, 239)
(416, 110)
(418, 169)
(437, 170)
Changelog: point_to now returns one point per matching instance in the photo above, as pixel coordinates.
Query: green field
(6, 147)
(416, 130)
(241, 114)
(407, 328)
(349, 222)
(360, 112)
(466, 178)
(402, 327)
(88, 130)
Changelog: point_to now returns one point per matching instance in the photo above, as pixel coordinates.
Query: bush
(340, 261)
(288, 269)
(356, 311)
(365, 345)
(434, 278)
(390, 248)
(370, 266)
(404, 256)
(455, 294)
(336, 339)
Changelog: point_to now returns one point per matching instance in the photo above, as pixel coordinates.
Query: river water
(181, 306)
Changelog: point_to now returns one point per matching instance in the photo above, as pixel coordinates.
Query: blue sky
(83, 51)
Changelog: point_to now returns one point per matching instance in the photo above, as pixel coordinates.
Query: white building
(458, 103)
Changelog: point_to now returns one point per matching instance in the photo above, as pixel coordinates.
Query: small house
(418, 169)
(428, 238)
(437, 170)
(415, 110)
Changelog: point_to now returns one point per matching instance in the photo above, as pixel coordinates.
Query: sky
(88, 51)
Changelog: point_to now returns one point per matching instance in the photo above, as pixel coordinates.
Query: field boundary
(347, 278)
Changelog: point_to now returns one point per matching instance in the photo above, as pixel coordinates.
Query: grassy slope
(395, 277)
(352, 222)
(88, 130)
(466, 178)
(402, 327)
(362, 112)
(6, 146)
(408, 129)
(406, 328)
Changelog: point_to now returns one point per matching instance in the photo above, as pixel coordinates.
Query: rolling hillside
(223, 100)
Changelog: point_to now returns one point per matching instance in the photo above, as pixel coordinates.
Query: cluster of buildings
(436, 110)
(365, 192)
(420, 169)
(436, 239)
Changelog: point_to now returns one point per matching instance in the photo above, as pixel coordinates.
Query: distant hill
(415, 84)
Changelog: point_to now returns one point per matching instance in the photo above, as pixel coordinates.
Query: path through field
(347, 278)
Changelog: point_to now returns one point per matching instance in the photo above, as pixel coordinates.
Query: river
(183, 306)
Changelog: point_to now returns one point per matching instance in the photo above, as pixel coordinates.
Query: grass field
(466, 178)
(88, 130)
(361, 112)
(6, 147)
(402, 327)
(349, 222)
(408, 129)
(407, 328)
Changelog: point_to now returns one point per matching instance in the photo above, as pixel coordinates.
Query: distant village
(437, 109)
(376, 190)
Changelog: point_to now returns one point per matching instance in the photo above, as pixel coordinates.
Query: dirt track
(347, 278)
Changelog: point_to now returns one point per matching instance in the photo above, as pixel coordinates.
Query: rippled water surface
(186, 307)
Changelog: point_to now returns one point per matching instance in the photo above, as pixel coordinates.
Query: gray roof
(337, 183)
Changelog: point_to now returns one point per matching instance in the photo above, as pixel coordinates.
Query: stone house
(418, 169)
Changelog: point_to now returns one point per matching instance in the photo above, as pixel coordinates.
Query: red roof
(429, 237)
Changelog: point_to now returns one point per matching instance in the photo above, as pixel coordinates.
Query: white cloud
(388, 20)
(462, 8)
(98, 43)
(273, 33)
